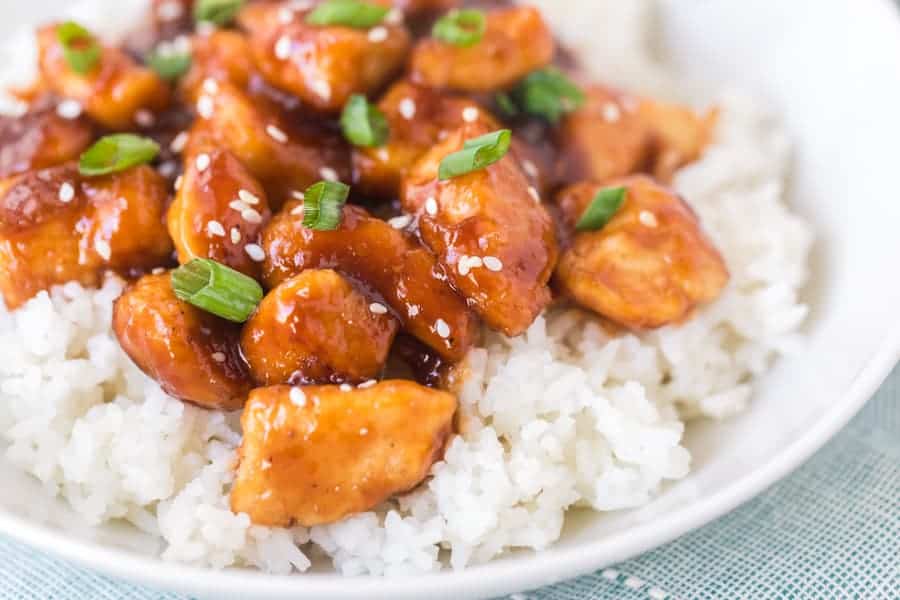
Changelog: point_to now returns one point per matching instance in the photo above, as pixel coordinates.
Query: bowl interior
(834, 78)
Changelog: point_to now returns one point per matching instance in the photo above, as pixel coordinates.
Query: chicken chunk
(41, 138)
(650, 266)
(417, 8)
(418, 117)
(392, 263)
(322, 65)
(680, 135)
(316, 328)
(285, 153)
(516, 42)
(220, 56)
(315, 455)
(605, 138)
(112, 92)
(56, 226)
(489, 230)
(194, 355)
(219, 212)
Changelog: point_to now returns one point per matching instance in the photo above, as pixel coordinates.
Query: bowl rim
(493, 578)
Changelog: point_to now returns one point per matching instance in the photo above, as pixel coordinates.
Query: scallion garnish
(220, 12)
(476, 154)
(217, 289)
(547, 93)
(118, 152)
(460, 27)
(363, 124)
(169, 63)
(323, 205)
(80, 49)
(349, 13)
(603, 207)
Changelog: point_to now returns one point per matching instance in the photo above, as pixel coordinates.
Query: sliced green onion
(349, 13)
(220, 12)
(363, 124)
(80, 49)
(217, 289)
(323, 205)
(118, 152)
(476, 154)
(168, 63)
(549, 94)
(461, 27)
(602, 208)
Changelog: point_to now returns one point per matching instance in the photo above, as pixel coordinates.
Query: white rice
(565, 415)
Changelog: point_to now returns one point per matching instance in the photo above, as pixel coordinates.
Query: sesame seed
(394, 17)
(492, 263)
(530, 169)
(297, 397)
(611, 112)
(202, 162)
(210, 86)
(363, 431)
(412, 310)
(265, 465)
(252, 216)
(103, 249)
(407, 108)
(69, 109)
(265, 495)
(378, 34)
(238, 205)
(470, 114)
(168, 168)
(322, 89)
(328, 174)
(532, 191)
(276, 134)
(467, 263)
(400, 222)
(205, 107)
(178, 181)
(255, 252)
(235, 235)
(169, 11)
(158, 271)
(298, 195)
(215, 228)
(297, 211)
(442, 328)
(377, 308)
(248, 197)
(179, 142)
(283, 48)
(367, 384)
(648, 218)
(346, 387)
(219, 357)
(144, 118)
(66, 192)
(431, 206)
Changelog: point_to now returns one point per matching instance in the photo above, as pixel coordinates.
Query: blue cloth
(830, 530)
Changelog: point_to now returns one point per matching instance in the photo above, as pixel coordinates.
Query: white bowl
(833, 69)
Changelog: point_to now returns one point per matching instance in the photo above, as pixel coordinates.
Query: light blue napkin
(830, 530)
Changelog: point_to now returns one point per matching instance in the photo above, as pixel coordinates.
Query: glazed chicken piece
(316, 328)
(390, 262)
(219, 212)
(490, 231)
(315, 455)
(680, 135)
(418, 118)
(193, 355)
(605, 138)
(650, 266)
(285, 153)
(516, 42)
(57, 226)
(112, 92)
(41, 138)
(220, 56)
(322, 65)
(416, 8)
